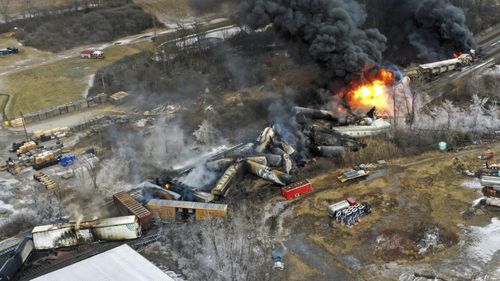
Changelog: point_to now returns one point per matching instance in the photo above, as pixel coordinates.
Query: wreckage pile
(271, 157)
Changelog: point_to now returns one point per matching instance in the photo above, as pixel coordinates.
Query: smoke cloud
(332, 32)
(427, 30)
(328, 31)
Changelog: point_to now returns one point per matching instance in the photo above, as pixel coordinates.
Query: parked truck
(92, 54)
(8, 51)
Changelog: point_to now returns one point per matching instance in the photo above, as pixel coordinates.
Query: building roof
(89, 52)
(120, 263)
(186, 204)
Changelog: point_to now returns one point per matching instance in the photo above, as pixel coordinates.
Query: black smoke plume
(328, 31)
(420, 31)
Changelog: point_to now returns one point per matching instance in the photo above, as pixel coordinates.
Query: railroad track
(94, 249)
(143, 241)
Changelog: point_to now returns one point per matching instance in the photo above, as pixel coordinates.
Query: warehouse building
(120, 263)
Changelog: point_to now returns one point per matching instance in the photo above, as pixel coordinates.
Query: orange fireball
(371, 92)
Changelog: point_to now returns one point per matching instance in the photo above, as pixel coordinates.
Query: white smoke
(165, 146)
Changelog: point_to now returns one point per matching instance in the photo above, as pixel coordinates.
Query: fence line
(60, 110)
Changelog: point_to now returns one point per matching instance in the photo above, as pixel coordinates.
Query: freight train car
(70, 234)
(171, 210)
(15, 262)
(429, 70)
(126, 204)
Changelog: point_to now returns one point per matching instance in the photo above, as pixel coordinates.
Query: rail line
(93, 249)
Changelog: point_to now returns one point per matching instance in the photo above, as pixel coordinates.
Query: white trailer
(339, 206)
(490, 181)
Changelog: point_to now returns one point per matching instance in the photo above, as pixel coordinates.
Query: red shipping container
(295, 189)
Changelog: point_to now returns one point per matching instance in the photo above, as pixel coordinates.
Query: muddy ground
(422, 225)
(420, 213)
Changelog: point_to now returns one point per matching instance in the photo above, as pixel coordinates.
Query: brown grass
(377, 149)
(58, 82)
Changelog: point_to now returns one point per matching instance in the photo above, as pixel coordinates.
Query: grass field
(58, 82)
(166, 10)
(26, 54)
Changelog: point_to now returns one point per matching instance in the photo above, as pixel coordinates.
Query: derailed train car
(15, 262)
(126, 204)
(429, 70)
(71, 234)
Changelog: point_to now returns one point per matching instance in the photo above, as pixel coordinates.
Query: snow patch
(471, 183)
(486, 241)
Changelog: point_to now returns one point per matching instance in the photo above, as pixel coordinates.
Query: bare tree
(4, 9)
(27, 7)
(92, 171)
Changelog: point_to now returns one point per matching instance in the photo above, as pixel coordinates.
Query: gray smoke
(328, 31)
(427, 30)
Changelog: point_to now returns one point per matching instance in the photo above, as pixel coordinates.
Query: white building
(121, 263)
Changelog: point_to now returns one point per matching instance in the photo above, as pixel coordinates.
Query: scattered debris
(367, 166)
(45, 180)
(353, 174)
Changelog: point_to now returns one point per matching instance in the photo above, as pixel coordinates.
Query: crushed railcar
(15, 262)
(74, 233)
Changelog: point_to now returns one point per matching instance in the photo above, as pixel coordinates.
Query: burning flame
(371, 92)
(457, 54)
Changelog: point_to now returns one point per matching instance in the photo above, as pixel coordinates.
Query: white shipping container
(334, 208)
(490, 181)
(118, 228)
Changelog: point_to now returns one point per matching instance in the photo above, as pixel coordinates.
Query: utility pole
(24, 126)
(154, 31)
(103, 84)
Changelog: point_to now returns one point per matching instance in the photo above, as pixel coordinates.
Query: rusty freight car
(126, 204)
(172, 210)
